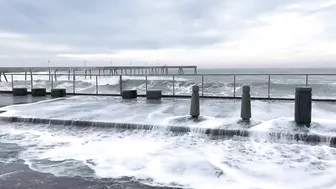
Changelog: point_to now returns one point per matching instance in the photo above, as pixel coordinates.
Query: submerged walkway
(172, 116)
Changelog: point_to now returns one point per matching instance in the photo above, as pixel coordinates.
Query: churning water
(324, 86)
(161, 158)
(270, 157)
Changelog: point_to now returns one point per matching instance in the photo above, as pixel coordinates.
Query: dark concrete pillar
(245, 113)
(129, 94)
(58, 93)
(38, 92)
(154, 94)
(303, 105)
(195, 105)
(20, 91)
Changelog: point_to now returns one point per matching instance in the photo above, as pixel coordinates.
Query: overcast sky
(207, 33)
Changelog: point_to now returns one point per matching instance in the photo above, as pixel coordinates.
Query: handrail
(96, 77)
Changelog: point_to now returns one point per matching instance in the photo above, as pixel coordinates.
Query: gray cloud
(84, 26)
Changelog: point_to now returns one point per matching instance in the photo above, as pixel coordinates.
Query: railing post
(96, 84)
(202, 85)
(31, 81)
(120, 84)
(52, 82)
(55, 75)
(173, 85)
(234, 86)
(74, 82)
(12, 77)
(146, 83)
(307, 80)
(269, 87)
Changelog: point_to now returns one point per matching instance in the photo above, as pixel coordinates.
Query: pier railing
(263, 86)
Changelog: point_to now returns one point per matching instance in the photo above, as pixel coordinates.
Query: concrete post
(129, 94)
(20, 91)
(38, 92)
(245, 113)
(195, 105)
(56, 93)
(303, 105)
(153, 94)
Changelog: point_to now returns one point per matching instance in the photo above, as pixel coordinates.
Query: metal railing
(202, 77)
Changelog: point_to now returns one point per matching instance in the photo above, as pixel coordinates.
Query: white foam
(266, 116)
(189, 161)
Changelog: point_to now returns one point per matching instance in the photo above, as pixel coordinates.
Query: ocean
(279, 86)
(36, 155)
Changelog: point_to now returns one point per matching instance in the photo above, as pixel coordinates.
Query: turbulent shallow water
(164, 159)
(119, 158)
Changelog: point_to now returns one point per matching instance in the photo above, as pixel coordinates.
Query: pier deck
(111, 70)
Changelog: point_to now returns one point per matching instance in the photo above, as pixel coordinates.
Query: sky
(206, 33)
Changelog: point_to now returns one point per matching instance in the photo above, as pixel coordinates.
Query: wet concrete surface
(17, 175)
(9, 99)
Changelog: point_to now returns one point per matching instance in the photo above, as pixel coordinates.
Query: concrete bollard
(303, 105)
(39, 92)
(20, 91)
(154, 94)
(195, 105)
(129, 94)
(56, 93)
(245, 113)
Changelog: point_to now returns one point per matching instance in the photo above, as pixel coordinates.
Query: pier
(103, 70)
